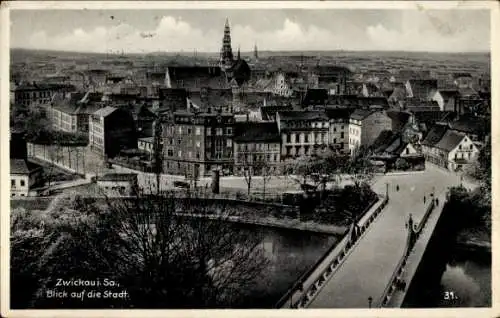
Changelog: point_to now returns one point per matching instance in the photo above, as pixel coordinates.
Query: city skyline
(148, 31)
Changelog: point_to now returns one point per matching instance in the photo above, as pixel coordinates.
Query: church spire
(255, 53)
(239, 55)
(226, 54)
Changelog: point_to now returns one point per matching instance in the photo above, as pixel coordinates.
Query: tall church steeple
(255, 53)
(226, 53)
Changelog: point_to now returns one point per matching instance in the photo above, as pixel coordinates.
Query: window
(179, 153)
(229, 143)
(306, 138)
(342, 135)
(288, 138)
(218, 131)
(198, 144)
(460, 147)
(189, 131)
(190, 154)
(179, 141)
(229, 130)
(180, 130)
(197, 131)
(471, 147)
(23, 183)
(12, 182)
(209, 131)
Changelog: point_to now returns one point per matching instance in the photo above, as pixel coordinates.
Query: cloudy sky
(293, 29)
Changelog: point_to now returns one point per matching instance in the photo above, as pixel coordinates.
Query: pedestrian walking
(437, 201)
(397, 187)
(424, 199)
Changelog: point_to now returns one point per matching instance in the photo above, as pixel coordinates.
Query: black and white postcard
(235, 155)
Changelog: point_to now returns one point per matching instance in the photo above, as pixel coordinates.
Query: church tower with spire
(255, 52)
(226, 53)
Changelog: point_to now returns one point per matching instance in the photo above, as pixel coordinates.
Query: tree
(162, 259)
(359, 168)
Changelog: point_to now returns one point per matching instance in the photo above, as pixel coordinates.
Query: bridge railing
(413, 235)
(344, 246)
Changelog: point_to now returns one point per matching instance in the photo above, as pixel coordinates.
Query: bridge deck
(368, 269)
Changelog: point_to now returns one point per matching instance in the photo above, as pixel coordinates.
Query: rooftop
(256, 132)
(450, 140)
(106, 111)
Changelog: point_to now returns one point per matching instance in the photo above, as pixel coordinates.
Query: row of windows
(197, 131)
(304, 124)
(258, 158)
(304, 138)
(256, 147)
(22, 183)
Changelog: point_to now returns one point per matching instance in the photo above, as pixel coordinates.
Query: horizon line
(251, 52)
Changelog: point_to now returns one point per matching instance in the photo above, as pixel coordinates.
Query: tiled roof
(18, 166)
(450, 140)
(434, 135)
(255, 131)
(302, 115)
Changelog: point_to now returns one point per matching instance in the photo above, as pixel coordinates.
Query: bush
(402, 164)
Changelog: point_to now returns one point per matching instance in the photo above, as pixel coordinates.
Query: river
(290, 253)
(464, 282)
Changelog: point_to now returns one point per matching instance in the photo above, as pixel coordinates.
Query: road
(367, 270)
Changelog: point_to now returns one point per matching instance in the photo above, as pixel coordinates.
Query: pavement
(368, 269)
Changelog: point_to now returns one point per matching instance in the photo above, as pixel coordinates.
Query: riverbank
(285, 223)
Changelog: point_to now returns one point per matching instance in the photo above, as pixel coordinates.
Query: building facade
(197, 143)
(110, 131)
(303, 133)
(23, 176)
(257, 148)
(365, 126)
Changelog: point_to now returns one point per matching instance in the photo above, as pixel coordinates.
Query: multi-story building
(365, 126)
(37, 93)
(338, 129)
(257, 148)
(302, 132)
(71, 113)
(195, 143)
(111, 130)
(448, 148)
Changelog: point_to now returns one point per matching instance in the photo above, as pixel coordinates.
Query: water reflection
(469, 278)
(290, 253)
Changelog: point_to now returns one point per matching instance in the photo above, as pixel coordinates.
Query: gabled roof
(422, 105)
(450, 140)
(434, 135)
(18, 166)
(256, 131)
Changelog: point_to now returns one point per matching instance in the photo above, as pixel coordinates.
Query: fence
(344, 246)
(412, 237)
